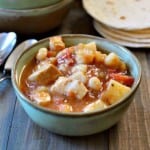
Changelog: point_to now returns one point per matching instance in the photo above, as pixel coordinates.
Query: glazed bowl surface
(26, 4)
(77, 124)
(36, 20)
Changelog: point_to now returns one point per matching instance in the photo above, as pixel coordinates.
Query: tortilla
(120, 14)
(122, 36)
(138, 35)
(130, 34)
(122, 42)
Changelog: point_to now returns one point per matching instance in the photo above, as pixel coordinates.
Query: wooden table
(18, 132)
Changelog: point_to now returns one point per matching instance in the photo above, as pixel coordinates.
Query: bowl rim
(35, 11)
(27, 5)
(77, 114)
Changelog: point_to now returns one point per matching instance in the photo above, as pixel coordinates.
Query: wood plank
(26, 135)
(7, 105)
(132, 132)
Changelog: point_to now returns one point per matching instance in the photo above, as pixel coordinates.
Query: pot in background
(26, 4)
(37, 20)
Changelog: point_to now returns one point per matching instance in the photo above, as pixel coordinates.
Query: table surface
(18, 132)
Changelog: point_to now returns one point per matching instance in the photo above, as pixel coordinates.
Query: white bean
(42, 54)
(94, 83)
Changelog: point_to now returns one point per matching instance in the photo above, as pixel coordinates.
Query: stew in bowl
(77, 78)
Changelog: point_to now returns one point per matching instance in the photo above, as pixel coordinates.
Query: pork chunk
(76, 89)
(79, 67)
(56, 43)
(59, 86)
(69, 87)
(79, 76)
(85, 53)
(45, 74)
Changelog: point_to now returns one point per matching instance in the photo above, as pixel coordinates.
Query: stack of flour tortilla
(126, 22)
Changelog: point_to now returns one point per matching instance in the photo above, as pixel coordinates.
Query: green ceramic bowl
(37, 20)
(26, 4)
(77, 124)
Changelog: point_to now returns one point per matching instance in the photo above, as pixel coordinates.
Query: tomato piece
(51, 54)
(67, 57)
(112, 71)
(68, 54)
(124, 79)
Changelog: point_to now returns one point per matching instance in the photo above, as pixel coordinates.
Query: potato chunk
(56, 43)
(112, 60)
(97, 105)
(99, 57)
(85, 53)
(41, 96)
(45, 74)
(114, 92)
(91, 45)
(65, 108)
